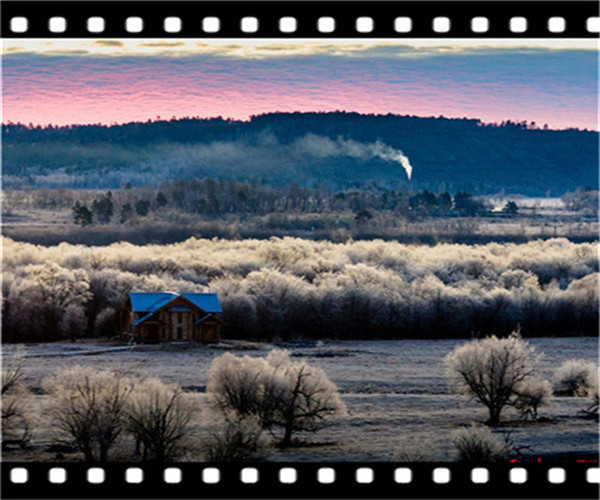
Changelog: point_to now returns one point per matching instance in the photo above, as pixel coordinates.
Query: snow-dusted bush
(285, 395)
(237, 440)
(106, 323)
(47, 302)
(236, 385)
(17, 415)
(477, 443)
(158, 416)
(592, 393)
(88, 407)
(575, 376)
(491, 370)
(530, 395)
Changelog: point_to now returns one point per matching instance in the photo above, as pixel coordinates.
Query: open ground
(400, 407)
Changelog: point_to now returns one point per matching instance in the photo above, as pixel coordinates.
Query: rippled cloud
(550, 85)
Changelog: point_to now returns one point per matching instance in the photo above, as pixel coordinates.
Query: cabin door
(209, 333)
(152, 333)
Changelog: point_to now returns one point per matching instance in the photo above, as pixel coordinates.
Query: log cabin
(168, 316)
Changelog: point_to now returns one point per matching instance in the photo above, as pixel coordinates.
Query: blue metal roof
(207, 301)
(149, 302)
(146, 302)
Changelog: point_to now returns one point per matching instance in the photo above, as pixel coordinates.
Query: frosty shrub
(238, 440)
(530, 395)
(286, 396)
(17, 416)
(575, 377)
(592, 394)
(89, 408)
(491, 370)
(477, 443)
(158, 416)
(48, 302)
(236, 385)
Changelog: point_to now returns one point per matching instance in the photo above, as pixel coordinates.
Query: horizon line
(526, 125)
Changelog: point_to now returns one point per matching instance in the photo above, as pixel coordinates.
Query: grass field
(399, 405)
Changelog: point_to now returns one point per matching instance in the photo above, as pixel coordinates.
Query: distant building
(164, 316)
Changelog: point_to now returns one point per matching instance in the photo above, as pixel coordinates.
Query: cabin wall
(180, 325)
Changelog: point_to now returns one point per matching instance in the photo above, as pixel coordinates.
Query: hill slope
(329, 149)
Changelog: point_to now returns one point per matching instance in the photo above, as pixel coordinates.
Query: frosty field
(399, 405)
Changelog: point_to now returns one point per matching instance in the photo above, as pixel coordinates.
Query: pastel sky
(113, 81)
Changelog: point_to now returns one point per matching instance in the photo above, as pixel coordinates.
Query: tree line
(293, 288)
(213, 198)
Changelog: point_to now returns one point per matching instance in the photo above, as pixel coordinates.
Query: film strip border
(296, 19)
(301, 480)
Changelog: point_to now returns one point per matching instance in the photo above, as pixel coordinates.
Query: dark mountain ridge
(335, 150)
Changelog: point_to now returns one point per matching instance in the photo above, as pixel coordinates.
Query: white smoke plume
(386, 152)
(264, 155)
(319, 146)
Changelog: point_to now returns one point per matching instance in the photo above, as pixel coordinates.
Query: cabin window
(179, 317)
(179, 333)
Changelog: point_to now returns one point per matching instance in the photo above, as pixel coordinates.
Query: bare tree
(491, 370)
(89, 407)
(298, 397)
(158, 416)
(16, 413)
(285, 395)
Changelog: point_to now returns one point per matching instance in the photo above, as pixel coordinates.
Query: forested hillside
(328, 150)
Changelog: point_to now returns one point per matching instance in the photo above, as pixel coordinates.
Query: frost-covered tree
(530, 395)
(89, 408)
(592, 393)
(235, 385)
(159, 417)
(298, 397)
(49, 301)
(575, 376)
(491, 370)
(287, 396)
(236, 440)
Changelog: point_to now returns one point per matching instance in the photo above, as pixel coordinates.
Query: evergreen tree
(126, 212)
(510, 208)
(81, 215)
(445, 201)
(142, 207)
(103, 208)
(161, 200)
